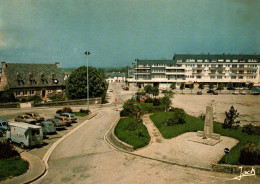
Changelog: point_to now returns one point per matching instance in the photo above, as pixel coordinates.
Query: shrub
(64, 109)
(177, 110)
(251, 129)
(229, 121)
(124, 113)
(7, 150)
(35, 98)
(250, 154)
(57, 98)
(156, 102)
(178, 117)
(86, 111)
(67, 109)
(148, 100)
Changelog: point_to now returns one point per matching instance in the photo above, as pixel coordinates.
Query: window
(233, 77)
(234, 66)
(17, 93)
(219, 77)
(240, 77)
(31, 92)
(198, 77)
(212, 77)
(24, 92)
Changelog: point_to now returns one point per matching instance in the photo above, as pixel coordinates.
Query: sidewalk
(153, 131)
(36, 169)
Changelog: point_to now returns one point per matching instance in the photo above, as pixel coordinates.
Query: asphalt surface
(85, 157)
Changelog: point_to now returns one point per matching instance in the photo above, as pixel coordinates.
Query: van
(25, 134)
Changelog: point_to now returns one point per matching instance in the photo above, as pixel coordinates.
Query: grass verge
(194, 124)
(12, 167)
(125, 134)
(81, 114)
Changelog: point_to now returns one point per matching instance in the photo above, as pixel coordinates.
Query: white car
(243, 93)
(235, 93)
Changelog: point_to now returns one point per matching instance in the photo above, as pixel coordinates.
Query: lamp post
(87, 53)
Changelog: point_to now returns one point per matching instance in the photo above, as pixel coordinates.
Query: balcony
(175, 67)
(175, 73)
(216, 68)
(142, 68)
(142, 73)
(197, 73)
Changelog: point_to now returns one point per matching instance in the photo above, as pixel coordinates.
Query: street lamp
(87, 53)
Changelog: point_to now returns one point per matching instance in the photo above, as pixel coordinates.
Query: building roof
(245, 57)
(43, 74)
(23, 125)
(115, 74)
(144, 62)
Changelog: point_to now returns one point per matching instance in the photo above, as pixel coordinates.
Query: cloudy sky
(118, 31)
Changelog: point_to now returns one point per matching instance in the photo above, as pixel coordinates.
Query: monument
(208, 136)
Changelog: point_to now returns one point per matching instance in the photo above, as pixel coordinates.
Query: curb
(141, 156)
(48, 153)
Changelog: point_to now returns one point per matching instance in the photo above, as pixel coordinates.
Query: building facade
(27, 80)
(198, 68)
(115, 77)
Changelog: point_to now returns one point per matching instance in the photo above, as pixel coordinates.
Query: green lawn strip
(81, 114)
(12, 167)
(194, 124)
(130, 137)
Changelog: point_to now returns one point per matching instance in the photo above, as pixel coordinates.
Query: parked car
(65, 120)
(235, 93)
(126, 88)
(47, 127)
(70, 116)
(243, 93)
(215, 93)
(26, 119)
(1, 133)
(111, 90)
(199, 93)
(58, 123)
(35, 116)
(24, 134)
(3, 125)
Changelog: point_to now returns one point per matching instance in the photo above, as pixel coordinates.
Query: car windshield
(27, 117)
(67, 119)
(36, 114)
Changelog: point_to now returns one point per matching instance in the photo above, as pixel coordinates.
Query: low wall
(10, 105)
(116, 141)
(235, 169)
(69, 102)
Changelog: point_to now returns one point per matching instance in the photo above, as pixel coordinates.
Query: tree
(7, 96)
(182, 86)
(148, 89)
(155, 91)
(250, 85)
(230, 86)
(211, 86)
(229, 121)
(173, 85)
(191, 87)
(77, 83)
(201, 86)
(220, 87)
(166, 102)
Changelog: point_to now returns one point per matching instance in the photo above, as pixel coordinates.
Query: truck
(27, 135)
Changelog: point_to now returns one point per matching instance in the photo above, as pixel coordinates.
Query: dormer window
(44, 79)
(20, 79)
(54, 79)
(32, 79)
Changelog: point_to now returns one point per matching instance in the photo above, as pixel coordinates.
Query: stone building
(26, 80)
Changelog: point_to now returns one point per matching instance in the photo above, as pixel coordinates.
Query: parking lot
(248, 105)
(47, 113)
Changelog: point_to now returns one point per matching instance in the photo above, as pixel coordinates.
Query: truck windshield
(35, 132)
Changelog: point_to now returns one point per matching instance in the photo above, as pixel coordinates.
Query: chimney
(57, 64)
(3, 64)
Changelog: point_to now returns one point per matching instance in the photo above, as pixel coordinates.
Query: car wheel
(22, 145)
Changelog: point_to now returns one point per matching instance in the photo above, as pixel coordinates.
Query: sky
(117, 32)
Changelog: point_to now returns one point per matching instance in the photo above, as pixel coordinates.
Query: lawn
(194, 124)
(131, 136)
(12, 167)
(149, 108)
(81, 114)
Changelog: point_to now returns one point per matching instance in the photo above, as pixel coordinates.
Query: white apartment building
(198, 68)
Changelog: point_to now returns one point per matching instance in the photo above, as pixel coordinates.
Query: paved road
(85, 157)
